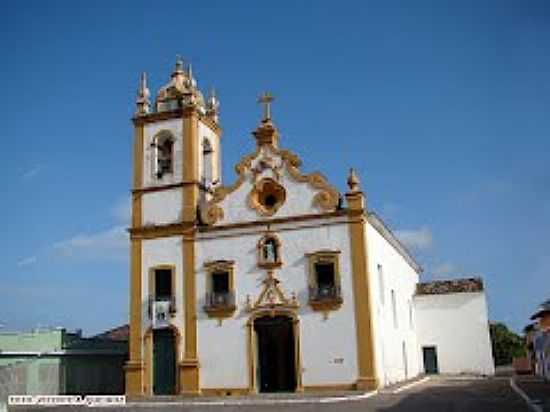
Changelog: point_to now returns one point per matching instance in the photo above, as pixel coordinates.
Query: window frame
(222, 310)
(158, 140)
(330, 302)
(152, 287)
(278, 251)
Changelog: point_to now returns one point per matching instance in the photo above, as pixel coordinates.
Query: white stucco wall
(162, 207)
(223, 348)
(400, 277)
(457, 325)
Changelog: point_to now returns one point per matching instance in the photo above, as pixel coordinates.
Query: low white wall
(457, 325)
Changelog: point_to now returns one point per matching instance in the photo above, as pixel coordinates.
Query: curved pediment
(270, 185)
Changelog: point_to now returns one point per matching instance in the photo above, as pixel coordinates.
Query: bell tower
(176, 166)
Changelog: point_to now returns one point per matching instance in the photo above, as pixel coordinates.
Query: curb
(410, 385)
(530, 402)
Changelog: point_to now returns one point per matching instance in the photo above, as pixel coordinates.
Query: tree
(506, 344)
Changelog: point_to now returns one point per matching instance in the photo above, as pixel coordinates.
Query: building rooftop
(441, 287)
(544, 309)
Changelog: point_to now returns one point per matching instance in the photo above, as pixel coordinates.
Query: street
(438, 394)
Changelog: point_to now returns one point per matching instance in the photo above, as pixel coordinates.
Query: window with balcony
(162, 300)
(220, 290)
(324, 280)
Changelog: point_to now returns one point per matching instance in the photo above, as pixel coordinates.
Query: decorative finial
(266, 99)
(143, 94)
(179, 65)
(212, 105)
(354, 183)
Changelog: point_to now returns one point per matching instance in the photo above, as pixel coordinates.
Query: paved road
(435, 395)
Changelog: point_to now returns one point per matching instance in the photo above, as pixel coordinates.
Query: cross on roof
(266, 100)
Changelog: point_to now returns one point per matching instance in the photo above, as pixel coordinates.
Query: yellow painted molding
(361, 290)
(189, 366)
(134, 373)
(153, 232)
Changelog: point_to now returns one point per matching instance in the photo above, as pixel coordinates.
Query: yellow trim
(189, 366)
(363, 309)
(252, 346)
(134, 367)
(263, 188)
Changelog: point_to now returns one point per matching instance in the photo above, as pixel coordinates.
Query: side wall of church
(328, 346)
(393, 283)
(458, 326)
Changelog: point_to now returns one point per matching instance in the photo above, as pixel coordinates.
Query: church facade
(275, 282)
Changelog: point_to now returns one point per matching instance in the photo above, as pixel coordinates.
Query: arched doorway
(164, 362)
(276, 354)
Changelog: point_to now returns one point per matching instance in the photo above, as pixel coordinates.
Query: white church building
(276, 281)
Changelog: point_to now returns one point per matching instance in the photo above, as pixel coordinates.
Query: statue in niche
(270, 253)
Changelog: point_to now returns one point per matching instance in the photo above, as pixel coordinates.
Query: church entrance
(276, 357)
(164, 362)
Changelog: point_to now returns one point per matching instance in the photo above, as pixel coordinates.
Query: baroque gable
(270, 185)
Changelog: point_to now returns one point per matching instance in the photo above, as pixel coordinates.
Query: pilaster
(361, 290)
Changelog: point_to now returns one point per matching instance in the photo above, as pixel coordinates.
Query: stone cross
(266, 100)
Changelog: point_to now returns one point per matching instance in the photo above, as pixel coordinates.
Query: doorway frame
(148, 370)
(436, 357)
(252, 347)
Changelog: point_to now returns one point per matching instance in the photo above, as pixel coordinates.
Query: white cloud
(122, 210)
(419, 239)
(110, 244)
(30, 260)
(31, 172)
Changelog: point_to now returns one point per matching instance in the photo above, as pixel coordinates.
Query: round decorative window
(267, 196)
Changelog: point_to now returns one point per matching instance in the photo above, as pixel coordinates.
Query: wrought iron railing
(320, 293)
(215, 300)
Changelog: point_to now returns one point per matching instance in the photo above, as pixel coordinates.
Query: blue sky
(441, 106)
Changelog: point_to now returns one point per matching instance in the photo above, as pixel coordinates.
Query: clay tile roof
(440, 287)
(118, 333)
(544, 309)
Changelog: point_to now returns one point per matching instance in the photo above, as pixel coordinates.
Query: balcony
(325, 297)
(220, 304)
(156, 303)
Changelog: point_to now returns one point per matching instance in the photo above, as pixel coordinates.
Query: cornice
(159, 188)
(387, 234)
(274, 221)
